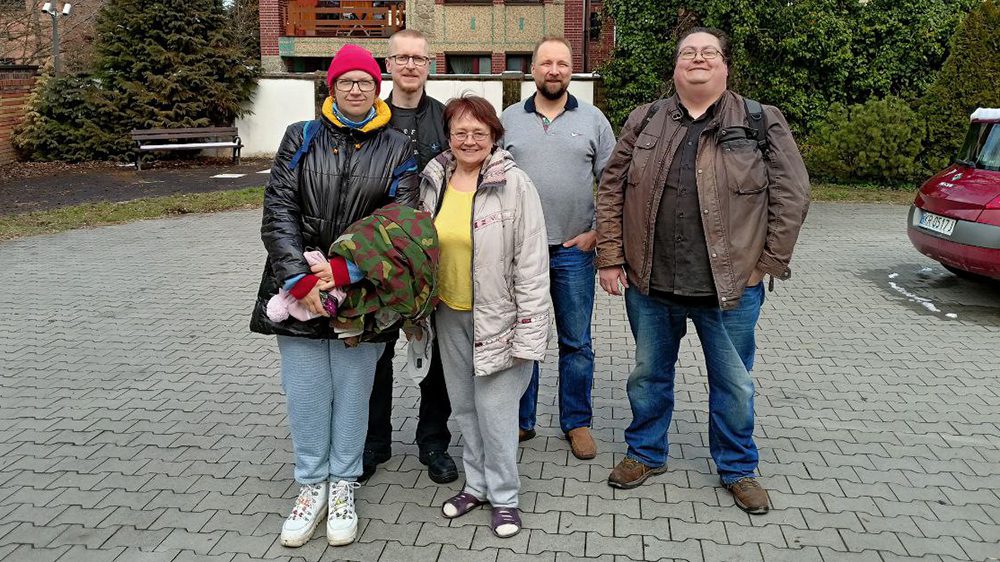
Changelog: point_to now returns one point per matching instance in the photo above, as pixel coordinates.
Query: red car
(955, 218)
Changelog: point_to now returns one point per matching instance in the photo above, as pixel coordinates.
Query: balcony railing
(344, 18)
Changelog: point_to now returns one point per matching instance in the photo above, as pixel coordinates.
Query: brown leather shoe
(750, 496)
(582, 443)
(630, 473)
(525, 434)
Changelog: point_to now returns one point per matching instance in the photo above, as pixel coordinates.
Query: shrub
(879, 141)
(70, 120)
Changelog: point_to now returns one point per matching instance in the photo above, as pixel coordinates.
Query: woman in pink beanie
(327, 174)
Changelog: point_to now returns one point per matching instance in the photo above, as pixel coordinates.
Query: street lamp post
(50, 9)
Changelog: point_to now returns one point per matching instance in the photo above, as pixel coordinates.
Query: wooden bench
(147, 140)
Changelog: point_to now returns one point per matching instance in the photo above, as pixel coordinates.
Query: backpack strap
(407, 167)
(758, 124)
(653, 108)
(308, 134)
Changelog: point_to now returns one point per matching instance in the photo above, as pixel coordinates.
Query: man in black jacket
(421, 118)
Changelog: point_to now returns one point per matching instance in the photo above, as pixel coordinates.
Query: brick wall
(602, 49)
(573, 26)
(16, 83)
(270, 26)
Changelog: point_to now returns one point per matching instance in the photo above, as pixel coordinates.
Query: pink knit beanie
(351, 57)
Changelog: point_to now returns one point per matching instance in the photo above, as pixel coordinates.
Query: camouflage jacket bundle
(396, 248)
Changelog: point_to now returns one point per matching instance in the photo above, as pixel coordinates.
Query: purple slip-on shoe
(505, 522)
(461, 503)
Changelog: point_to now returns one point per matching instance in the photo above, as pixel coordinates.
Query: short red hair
(477, 108)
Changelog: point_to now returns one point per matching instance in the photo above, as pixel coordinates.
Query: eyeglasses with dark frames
(348, 85)
(708, 53)
(403, 60)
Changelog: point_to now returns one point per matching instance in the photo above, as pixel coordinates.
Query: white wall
(276, 104)
(582, 89)
(444, 90)
(281, 101)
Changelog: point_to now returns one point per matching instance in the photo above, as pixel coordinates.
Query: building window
(520, 62)
(595, 26)
(469, 64)
(317, 64)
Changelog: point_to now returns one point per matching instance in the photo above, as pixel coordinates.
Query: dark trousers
(432, 425)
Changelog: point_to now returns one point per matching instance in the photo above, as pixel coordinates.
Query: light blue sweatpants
(327, 386)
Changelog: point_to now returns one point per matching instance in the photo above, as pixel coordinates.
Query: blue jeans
(571, 282)
(727, 339)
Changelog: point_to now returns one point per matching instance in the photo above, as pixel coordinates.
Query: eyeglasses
(478, 136)
(402, 60)
(348, 85)
(708, 53)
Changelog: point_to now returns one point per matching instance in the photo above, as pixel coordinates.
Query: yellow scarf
(381, 119)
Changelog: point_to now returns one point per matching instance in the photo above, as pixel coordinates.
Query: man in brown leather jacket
(693, 210)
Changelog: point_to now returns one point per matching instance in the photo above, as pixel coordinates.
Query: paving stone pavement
(140, 420)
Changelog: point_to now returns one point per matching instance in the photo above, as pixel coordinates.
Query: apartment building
(467, 36)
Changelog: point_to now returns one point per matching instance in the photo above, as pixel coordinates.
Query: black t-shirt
(405, 121)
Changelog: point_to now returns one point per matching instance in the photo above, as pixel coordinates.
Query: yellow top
(454, 228)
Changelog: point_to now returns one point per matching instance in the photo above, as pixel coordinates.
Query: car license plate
(937, 223)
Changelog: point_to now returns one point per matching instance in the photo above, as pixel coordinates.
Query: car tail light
(994, 204)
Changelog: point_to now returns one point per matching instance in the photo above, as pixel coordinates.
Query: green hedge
(815, 59)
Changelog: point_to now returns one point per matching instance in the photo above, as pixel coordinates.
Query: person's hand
(755, 278)
(323, 271)
(313, 303)
(584, 242)
(611, 277)
(325, 285)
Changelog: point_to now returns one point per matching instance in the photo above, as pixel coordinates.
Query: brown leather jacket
(752, 208)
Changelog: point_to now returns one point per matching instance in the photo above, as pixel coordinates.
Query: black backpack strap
(653, 108)
(758, 123)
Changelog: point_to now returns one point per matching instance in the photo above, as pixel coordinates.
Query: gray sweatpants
(486, 409)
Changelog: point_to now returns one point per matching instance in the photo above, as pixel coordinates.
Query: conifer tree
(970, 78)
(172, 63)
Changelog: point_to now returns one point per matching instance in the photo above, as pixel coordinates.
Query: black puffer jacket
(345, 175)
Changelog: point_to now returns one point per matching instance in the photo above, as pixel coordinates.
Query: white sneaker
(342, 522)
(309, 509)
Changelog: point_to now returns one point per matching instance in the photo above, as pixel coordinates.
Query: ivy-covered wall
(807, 55)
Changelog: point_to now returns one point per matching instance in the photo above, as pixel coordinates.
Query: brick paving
(139, 420)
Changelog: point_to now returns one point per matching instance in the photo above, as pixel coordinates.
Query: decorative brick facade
(499, 28)
(16, 83)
